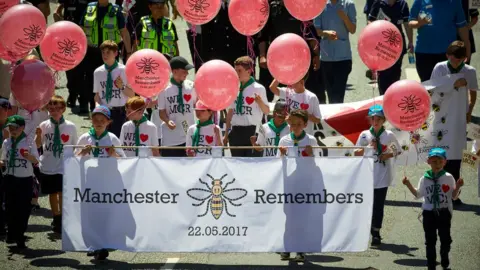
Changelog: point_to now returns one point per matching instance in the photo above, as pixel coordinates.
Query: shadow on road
(324, 258)
(397, 249)
(34, 253)
(42, 212)
(463, 208)
(412, 262)
(36, 228)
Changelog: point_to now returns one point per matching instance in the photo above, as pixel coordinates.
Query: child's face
(377, 121)
(108, 56)
(203, 115)
(297, 125)
(15, 131)
(100, 122)
(134, 114)
(3, 113)
(180, 74)
(242, 72)
(455, 62)
(436, 163)
(55, 110)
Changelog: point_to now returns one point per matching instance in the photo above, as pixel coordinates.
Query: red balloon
(305, 10)
(198, 12)
(148, 72)
(32, 84)
(22, 28)
(380, 45)
(406, 105)
(288, 58)
(217, 84)
(6, 4)
(248, 19)
(11, 56)
(64, 46)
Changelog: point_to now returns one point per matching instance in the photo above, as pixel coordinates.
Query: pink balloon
(148, 72)
(217, 84)
(22, 28)
(305, 10)
(32, 84)
(406, 105)
(198, 12)
(64, 46)
(11, 56)
(248, 19)
(380, 45)
(288, 58)
(6, 4)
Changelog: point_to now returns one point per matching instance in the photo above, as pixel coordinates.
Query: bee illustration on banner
(427, 123)
(340, 142)
(216, 196)
(442, 119)
(436, 106)
(439, 134)
(405, 146)
(416, 138)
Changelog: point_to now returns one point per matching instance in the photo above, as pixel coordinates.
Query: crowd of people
(33, 142)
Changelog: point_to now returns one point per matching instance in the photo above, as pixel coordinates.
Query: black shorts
(51, 183)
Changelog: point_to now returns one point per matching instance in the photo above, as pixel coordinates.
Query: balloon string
(308, 35)
(251, 53)
(196, 54)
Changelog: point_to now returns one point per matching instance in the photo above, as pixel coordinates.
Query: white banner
(218, 205)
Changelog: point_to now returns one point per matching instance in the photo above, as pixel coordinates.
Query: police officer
(72, 10)
(100, 21)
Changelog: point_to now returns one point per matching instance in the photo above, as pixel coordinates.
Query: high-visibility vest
(109, 25)
(149, 38)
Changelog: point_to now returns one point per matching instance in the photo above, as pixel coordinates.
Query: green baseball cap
(15, 121)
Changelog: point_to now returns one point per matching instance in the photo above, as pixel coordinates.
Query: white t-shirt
(168, 100)
(109, 140)
(23, 167)
(306, 101)
(383, 175)
(148, 136)
(100, 82)
(50, 164)
(32, 120)
(157, 121)
(445, 185)
(307, 140)
(207, 138)
(251, 114)
(266, 137)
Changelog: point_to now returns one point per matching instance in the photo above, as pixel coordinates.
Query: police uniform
(469, 15)
(99, 24)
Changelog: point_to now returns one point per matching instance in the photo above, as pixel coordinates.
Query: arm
(228, 121)
(164, 116)
(176, 40)
(458, 185)
(410, 187)
(414, 21)
(126, 40)
(274, 87)
(97, 98)
(349, 18)
(472, 100)
(262, 102)
(408, 29)
(38, 137)
(315, 116)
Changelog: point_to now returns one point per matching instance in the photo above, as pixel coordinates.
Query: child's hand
(111, 151)
(27, 156)
(309, 150)
(405, 181)
(258, 98)
(86, 150)
(384, 157)
(253, 140)
(119, 83)
(460, 182)
(190, 152)
(171, 125)
(460, 83)
(478, 153)
(283, 150)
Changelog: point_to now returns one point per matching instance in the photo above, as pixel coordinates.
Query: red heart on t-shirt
(187, 97)
(22, 152)
(351, 122)
(107, 149)
(65, 137)
(304, 106)
(209, 139)
(143, 137)
(445, 188)
(304, 153)
(249, 100)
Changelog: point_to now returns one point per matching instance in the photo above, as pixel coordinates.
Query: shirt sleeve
(420, 189)
(317, 152)
(405, 11)
(261, 136)
(122, 134)
(74, 134)
(316, 107)
(263, 95)
(472, 81)
(80, 23)
(161, 101)
(318, 22)
(437, 72)
(116, 142)
(4, 150)
(189, 135)
(415, 10)
(460, 20)
(81, 141)
(352, 12)
(120, 19)
(97, 88)
(362, 140)
(138, 32)
(154, 135)
(373, 12)
(174, 28)
(34, 151)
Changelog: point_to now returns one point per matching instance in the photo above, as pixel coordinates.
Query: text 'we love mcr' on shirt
(119, 78)
(305, 101)
(251, 113)
(50, 164)
(169, 100)
(287, 141)
(444, 186)
(22, 167)
(266, 137)
(207, 138)
(147, 136)
(109, 140)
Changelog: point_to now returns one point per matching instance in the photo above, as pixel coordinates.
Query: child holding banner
(381, 140)
(204, 133)
(270, 133)
(438, 188)
(19, 157)
(139, 131)
(51, 135)
(298, 137)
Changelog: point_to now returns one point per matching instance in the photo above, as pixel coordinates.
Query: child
(110, 86)
(138, 131)
(270, 133)
(176, 108)
(298, 137)
(204, 133)
(4, 110)
(299, 98)
(438, 188)
(380, 140)
(456, 54)
(99, 136)
(19, 157)
(52, 134)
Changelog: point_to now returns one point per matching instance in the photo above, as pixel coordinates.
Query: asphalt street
(403, 244)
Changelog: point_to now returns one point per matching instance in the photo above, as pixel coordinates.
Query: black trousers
(18, 196)
(335, 77)
(119, 117)
(75, 83)
(240, 136)
(425, 62)
(440, 221)
(389, 76)
(379, 197)
(2, 204)
(174, 152)
(93, 60)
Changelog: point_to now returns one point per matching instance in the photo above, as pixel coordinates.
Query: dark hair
(457, 49)
(303, 114)
(245, 61)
